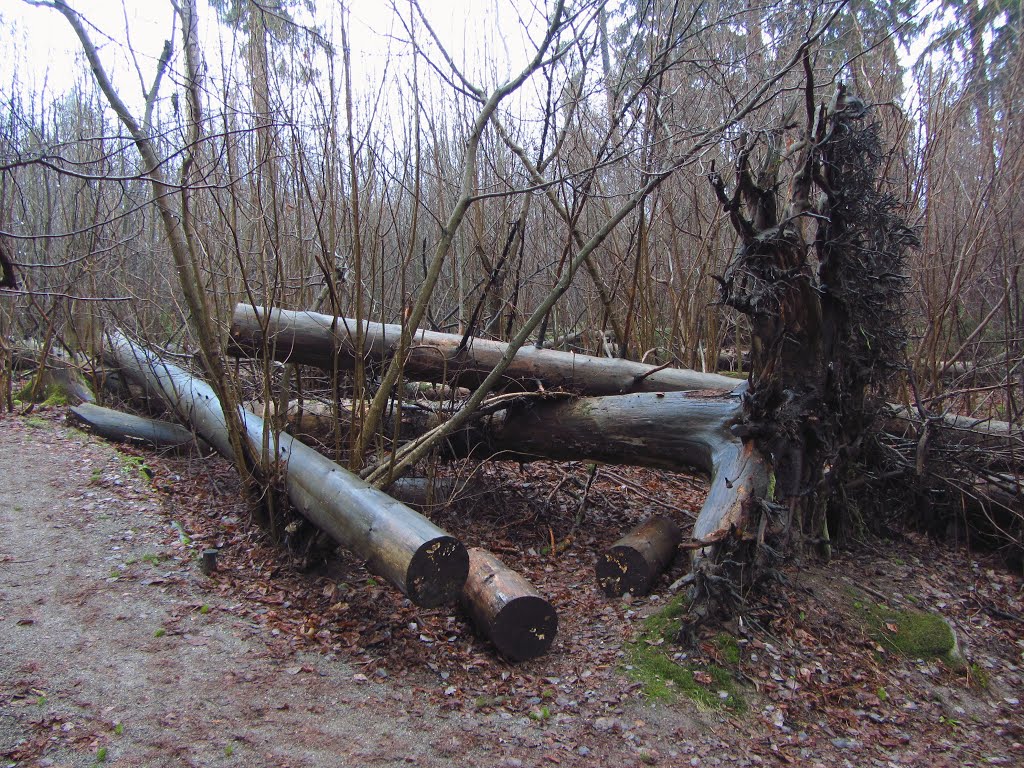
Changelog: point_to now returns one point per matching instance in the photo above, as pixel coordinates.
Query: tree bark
(666, 430)
(417, 557)
(507, 609)
(636, 560)
(125, 427)
(313, 339)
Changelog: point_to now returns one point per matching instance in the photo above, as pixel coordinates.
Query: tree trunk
(670, 431)
(313, 339)
(404, 547)
(507, 609)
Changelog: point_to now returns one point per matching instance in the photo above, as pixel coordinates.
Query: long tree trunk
(313, 339)
(401, 545)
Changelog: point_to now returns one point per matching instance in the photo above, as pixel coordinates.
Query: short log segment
(319, 340)
(507, 609)
(401, 545)
(128, 428)
(636, 560)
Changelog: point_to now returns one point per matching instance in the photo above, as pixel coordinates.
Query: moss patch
(709, 686)
(911, 633)
(728, 648)
(49, 395)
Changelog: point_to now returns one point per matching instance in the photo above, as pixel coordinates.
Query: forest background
(535, 174)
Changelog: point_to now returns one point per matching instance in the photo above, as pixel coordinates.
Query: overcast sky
(43, 48)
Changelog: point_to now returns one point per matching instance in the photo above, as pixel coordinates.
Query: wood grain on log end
(437, 572)
(636, 560)
(507, 609)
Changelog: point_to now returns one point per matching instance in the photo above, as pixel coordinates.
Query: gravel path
(110, 652)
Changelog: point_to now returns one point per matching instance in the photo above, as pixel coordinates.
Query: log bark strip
(507, 609)
(126, 427)
(313, 339)
(401, 545)
(636, 560)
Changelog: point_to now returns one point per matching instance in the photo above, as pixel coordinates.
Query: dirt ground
(115, 649)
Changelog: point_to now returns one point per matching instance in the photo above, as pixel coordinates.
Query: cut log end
(525, 628)
(621, 570)
(437, 572)
(507, 609)
(636, 560)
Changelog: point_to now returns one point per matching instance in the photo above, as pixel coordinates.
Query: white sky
(43, 51)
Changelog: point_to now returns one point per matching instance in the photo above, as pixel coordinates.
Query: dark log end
(437, 572)
(525, 628)
(623, 569)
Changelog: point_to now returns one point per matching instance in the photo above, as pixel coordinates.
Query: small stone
(583, 751)
(845, 743)
(607, 724)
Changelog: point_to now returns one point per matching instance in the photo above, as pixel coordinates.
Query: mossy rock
(51, 394)
(912, 633)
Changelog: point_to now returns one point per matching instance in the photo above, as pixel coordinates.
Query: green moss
(49, 395)
(977, 677)
(663, 678)
(911, 633)
(728, 647)
(137, 465)
(56, 397)
(771, 487)
(733, 374)
(665, 624)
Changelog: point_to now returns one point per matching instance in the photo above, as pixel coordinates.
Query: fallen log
(127, 428)
(634, 562)
(322, 341)
(507, 609)
(417, 557)
(425, 493)
(671, 430)
(986, 434)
